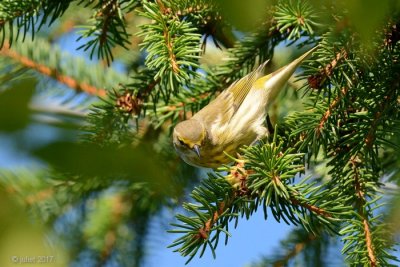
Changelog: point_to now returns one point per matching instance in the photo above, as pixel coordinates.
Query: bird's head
(188, 138)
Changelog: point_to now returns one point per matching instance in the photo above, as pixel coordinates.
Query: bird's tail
(276, 80)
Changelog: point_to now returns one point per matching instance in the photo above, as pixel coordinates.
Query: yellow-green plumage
(235, 118)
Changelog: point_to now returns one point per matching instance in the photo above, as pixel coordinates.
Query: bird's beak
(196, 149)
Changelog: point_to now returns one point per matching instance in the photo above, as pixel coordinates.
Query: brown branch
(168, 40)
(328, 112)
(119, 208)
(311, 208)
(238, 179)
(329, 68)
(33, 198)
(370, 247)
(355, 161)
(53, 73)
(238, 175)
(205, 230)
(172, 57)
(317, 80)
(370, 137)
(384, 103)
(145, 93)
(295, 251)
(107, 12)
(39, 196)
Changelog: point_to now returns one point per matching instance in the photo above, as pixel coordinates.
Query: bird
(235, 118)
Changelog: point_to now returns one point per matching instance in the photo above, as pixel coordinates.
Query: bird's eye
(181, 142)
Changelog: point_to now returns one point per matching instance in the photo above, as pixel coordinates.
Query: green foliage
(19, 92)
(72, 71)
(172, 47)
(300, 17)
(243, 16)
(107, 28)
(26, 16)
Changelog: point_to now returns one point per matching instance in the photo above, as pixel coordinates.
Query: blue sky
(252, 239)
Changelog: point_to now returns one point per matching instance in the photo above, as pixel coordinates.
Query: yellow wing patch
(241, 88)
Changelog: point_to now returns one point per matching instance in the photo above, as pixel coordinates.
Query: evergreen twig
(53, 73)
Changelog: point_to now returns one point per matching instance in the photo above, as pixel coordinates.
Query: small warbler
(233, 119)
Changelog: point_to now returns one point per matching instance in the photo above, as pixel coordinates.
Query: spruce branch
(367, 249)
(315, 81)
(53, 73)
(329, 111)
(346, 127)
(204, 231)
(63, 68)
(36, 197)
(298, 18)
(118, 210)
(28, 15)
(261, 177)
(327, 106)
(368, 237)
(311, 208)
(108, 28)
(363, 171)
(172, 46)
(205, 15)
(297, 249)
(10, 10)
(112, 120)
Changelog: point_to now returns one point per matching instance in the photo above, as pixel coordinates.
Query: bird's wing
(241, 88)
(222, 109)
